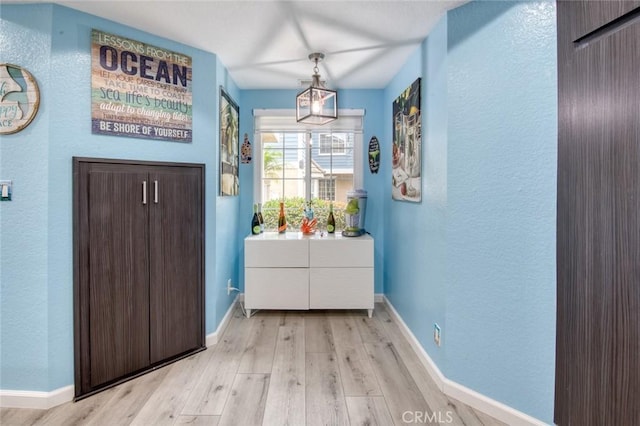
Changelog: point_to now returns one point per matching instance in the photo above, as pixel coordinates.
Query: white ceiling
(265, 44)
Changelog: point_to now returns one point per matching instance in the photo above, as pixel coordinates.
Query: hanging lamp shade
(316, 104)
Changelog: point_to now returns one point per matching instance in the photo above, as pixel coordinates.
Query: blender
(354, 213)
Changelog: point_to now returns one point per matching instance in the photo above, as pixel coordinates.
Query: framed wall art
(139, 90)
(407, 145)
(19, 98)
(229, 141)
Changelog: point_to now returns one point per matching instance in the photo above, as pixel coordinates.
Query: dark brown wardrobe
(139, 267)
(598, 247)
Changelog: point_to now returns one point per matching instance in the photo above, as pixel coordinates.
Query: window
(327, 189)
(332, 144)
(298, 164)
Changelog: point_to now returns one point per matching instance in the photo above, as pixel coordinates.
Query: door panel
(592, 15)
(118, 273)
(175, 243)
(598, 247)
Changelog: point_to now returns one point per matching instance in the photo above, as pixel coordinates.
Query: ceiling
(265, 44)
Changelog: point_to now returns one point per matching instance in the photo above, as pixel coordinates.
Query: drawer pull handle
(144, 192)
(155, 191)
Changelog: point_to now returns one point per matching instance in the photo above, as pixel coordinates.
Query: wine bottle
(331, 221)
(282, 220)
(260, 218)
(255, 222)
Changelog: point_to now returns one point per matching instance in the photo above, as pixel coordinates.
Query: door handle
(144, 192)
(155, 191)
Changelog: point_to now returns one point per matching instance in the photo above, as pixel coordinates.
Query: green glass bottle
(331, 221)
(255, 222)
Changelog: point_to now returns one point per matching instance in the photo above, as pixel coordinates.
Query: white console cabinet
(295, 271)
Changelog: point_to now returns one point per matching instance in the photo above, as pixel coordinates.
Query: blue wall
(227, 249)
(415, 253)
(24, 256)
(483, 267)
(36, 241)
(502, 192)
(371, 102)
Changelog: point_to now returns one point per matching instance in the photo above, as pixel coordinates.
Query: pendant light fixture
(317, 104)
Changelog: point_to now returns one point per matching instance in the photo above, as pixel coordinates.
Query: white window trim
(287, 123)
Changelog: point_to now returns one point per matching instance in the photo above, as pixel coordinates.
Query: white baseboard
(424, 358)
(494, 408)
(455, 390)
(35, 399)
(212, 338)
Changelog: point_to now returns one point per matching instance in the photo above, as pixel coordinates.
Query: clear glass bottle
(260, 218)
(282, 220)
(308, 211)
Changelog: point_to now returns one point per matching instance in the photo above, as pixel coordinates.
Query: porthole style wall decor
(19, 98)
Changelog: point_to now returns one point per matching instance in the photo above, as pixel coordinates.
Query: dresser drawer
(341, 288)
(276, 288)
(283, 253)
(341, 252)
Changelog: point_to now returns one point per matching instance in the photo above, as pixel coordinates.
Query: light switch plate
(6, 188)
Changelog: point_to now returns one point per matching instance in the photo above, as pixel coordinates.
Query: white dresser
(295, 271)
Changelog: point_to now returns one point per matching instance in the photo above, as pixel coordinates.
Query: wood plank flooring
(278, 368)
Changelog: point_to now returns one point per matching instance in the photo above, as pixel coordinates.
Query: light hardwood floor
(278, 368)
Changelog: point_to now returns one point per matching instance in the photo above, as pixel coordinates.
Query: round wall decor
(19, 98)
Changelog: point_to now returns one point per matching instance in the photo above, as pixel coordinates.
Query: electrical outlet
(436, 334)
(5, 190)
(229, 287)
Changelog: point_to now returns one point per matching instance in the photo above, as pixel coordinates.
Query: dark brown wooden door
(598, 241)
(176, 238)
(118, 273)
(139, 267)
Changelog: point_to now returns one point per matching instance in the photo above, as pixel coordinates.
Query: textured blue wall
(502, 108)
(37, 275)
(483, 266)
(227, 254)
(371, 102)
(415, 254)
(24, 221)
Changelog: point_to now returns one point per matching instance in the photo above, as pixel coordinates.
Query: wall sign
(374, 155)
(19, 98)
(139, 90)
